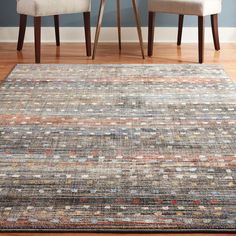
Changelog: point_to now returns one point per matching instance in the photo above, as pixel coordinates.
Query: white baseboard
(109, 34)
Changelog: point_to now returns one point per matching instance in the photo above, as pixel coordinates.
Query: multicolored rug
(144, 148)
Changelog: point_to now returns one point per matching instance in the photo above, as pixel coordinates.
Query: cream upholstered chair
(200, 8)
(39, 8)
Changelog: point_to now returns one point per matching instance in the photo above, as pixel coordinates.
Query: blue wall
(8, 16)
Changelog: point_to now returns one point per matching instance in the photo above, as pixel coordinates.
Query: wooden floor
(108, 53)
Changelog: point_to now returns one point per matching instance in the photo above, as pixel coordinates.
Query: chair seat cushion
(186, 7)
(52, 7)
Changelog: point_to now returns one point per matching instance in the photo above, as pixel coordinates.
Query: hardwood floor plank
(108, 53)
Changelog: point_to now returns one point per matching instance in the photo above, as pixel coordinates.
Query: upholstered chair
(40, 8)
(200, 8)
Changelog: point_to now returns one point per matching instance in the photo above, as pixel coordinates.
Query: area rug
(122, 148)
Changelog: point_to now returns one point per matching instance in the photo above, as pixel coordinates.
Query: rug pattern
(118, 147)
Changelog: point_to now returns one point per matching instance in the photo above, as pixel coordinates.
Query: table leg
(119, 23)
(137, 18)
(100, 17)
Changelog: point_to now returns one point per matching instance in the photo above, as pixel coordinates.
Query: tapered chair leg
(37, 38)
(22, 27)
(215, 32)
(57, 31)
(87, 29)
(151, 30)
(201, 37)
(180, 29)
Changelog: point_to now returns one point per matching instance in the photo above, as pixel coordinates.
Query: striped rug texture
(144, 148)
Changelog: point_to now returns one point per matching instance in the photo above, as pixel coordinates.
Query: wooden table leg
(100, 17)
(119, 23)
(137, 18)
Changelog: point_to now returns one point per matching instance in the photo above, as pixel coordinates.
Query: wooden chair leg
(151, 30)
(37, 38)
(201, 36)
(87, 30)
(119, 23)
(22, 27)
(215, 32)
(57, 31)
(180, 29)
